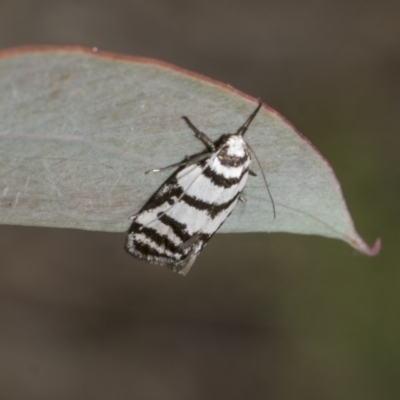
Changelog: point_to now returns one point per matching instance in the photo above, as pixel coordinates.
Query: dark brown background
(259, 316)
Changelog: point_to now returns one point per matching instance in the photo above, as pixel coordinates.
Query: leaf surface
(78, 128)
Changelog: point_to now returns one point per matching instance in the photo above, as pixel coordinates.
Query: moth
(180, 218)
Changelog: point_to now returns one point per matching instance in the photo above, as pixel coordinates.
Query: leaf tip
(363, 248)
(375, 249)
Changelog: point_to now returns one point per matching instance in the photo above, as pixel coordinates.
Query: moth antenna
(265, 180)
(242, 130)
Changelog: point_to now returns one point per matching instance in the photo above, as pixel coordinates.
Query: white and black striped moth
(181, 217)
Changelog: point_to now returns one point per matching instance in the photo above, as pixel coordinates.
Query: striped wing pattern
(180, 218)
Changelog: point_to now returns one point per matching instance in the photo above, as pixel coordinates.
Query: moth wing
(179, 219)
(160, 234)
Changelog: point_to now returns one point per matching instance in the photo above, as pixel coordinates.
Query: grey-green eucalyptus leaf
(78, 129)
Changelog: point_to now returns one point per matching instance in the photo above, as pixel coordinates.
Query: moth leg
(200, 135)
(252, 173)
(184, 269)
(189, 242)
(179, 164)
(184, 266)
(186, 163)
(242, 199)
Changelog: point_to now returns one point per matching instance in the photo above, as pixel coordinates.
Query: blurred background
(260, 316)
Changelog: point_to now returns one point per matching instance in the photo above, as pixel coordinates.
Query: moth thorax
(236, 146)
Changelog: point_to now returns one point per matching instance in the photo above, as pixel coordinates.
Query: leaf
(78, 128)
